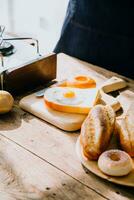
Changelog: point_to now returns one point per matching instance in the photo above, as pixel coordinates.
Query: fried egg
(68, 97)
(74, 100)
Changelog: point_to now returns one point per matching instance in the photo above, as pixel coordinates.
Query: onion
(6, 101)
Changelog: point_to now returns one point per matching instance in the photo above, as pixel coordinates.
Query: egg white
(60, 98)
(83, 97)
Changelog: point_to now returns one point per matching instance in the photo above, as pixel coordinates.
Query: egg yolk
(82, 78)
(69, 94)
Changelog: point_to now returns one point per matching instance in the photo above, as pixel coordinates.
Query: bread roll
(96, 131)
(125, 131)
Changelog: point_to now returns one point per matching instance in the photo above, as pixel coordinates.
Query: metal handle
(2, 73)
(26, 38)
(2, 29)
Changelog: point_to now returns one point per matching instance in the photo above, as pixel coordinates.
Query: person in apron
(100, 32)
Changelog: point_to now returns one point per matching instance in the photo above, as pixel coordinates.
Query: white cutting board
(67, 121)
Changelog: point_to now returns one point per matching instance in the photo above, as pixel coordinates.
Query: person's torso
(112, 17)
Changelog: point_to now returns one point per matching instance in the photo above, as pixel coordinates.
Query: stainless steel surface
(25, 38)
(30, 75)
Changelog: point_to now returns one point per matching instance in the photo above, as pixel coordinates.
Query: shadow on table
(13, 119)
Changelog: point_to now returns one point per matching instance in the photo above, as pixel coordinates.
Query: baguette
(96, 131)
(125, 131)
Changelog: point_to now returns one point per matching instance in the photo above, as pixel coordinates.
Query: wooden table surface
(38, 161)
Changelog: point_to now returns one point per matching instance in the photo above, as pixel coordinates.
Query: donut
(115, 163)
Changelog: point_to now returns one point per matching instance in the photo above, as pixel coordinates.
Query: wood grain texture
(58, 147)
(26, 177)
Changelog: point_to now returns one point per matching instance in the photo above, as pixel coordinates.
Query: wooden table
(40, 160)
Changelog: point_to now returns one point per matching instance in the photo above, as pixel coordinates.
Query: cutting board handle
(111, 85)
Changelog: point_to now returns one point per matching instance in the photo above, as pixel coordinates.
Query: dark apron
(100, 32)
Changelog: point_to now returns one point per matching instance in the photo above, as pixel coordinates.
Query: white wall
(41, 19)
(3, 12)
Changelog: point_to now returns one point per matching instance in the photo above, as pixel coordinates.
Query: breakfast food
(71, 100)
(96, 131)
(115, 163)
(125, 131)
(6, 101)
(81, 81)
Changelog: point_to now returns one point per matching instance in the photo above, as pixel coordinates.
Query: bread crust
(125, 131)
(96, 131)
